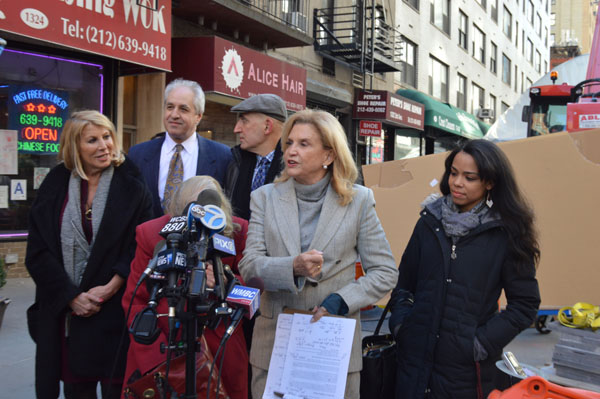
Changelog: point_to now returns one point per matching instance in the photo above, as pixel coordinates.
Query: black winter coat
(93, 341)
(456, 300)
(238, 179)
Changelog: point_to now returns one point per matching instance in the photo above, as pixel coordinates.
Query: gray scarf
(75, 248)
(458, 224)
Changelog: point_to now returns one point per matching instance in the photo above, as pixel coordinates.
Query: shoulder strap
(382, 318)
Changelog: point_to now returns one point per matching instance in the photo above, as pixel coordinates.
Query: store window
(37, 94)
(408, 144)
(448, 143)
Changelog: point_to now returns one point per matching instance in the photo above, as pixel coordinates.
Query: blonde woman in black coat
(468, 246)
(80, 245)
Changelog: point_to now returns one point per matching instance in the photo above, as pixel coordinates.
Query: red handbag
(154, 385)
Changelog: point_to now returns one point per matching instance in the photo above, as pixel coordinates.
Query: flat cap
(268, 104)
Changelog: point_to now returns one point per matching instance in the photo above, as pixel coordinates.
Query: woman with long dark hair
(469, 244)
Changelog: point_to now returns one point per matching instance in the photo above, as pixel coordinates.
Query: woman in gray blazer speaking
(306, 232)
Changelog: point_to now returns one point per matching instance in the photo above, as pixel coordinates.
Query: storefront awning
(446, 117)
(483, 126)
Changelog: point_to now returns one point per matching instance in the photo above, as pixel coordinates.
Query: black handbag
(378, 375)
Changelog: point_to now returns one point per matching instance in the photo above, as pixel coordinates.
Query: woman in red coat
(143, 358)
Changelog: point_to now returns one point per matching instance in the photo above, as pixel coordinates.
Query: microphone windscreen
(256, 282)
(209, 197)
(187, 208)
(175, 237)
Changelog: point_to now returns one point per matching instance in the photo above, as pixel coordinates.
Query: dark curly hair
(517, 216)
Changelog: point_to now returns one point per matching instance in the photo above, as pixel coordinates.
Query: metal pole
(372, 44)
(363, 40)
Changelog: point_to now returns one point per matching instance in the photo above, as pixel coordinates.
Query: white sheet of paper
(18, 189)
(318, 355)
(8, 152)
(39, 174)
(282, 336)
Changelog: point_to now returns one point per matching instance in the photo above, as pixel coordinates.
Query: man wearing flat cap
(257, 159)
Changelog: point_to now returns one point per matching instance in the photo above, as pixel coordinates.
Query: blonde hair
(343, 169)
(71, 137)
(188, 191)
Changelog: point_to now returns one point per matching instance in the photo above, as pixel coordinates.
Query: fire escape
(357, 36)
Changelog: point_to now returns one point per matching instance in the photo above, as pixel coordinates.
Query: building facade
(572, 26)
(572, 23)
(475, 55)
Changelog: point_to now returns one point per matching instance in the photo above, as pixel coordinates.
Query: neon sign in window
(38, 115)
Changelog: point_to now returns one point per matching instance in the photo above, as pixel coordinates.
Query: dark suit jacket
(213, 159)
(238, 180)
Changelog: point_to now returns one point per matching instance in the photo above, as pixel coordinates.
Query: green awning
(483, 126)
(445, 116)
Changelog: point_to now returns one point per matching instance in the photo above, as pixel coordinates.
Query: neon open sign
(38, 115)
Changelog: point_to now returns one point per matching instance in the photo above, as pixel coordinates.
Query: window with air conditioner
(293, 15)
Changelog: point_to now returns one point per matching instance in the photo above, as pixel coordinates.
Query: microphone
(172, 258)
(246, 300)
(152, 263)
(207, 211)
(209, 197)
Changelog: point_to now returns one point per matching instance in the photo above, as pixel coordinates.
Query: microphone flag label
(246, 297)
(223, 244)
(176, 224)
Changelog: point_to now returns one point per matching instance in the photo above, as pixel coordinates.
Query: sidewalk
(17, 350)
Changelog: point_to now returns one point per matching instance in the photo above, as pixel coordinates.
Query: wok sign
(370, 128)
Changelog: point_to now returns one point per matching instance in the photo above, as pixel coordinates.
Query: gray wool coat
(342, 234)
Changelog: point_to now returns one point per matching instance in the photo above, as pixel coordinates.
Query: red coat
(145, 357)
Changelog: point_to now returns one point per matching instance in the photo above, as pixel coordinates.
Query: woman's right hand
(308, 264)
(85, 304)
